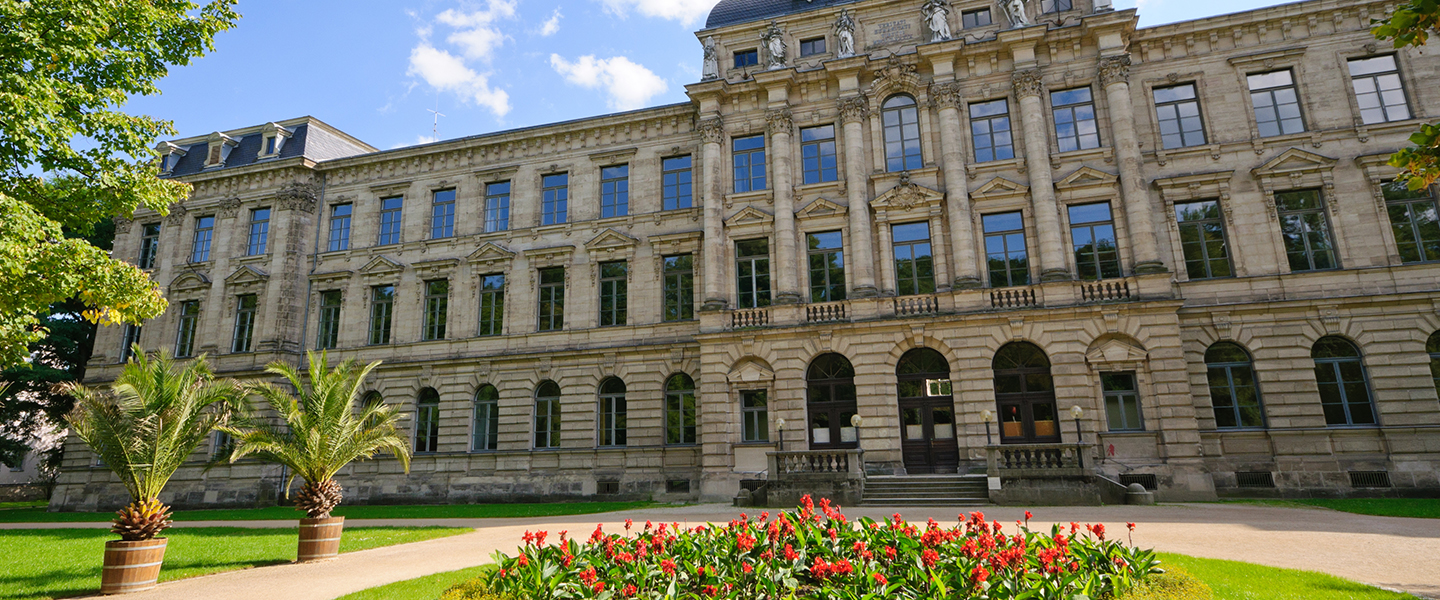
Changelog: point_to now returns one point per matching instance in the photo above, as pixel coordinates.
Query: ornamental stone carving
(845, 35)
(779, 121)
(176, 216)
(775, 47)
(853, 109)
(712, 60)
(229, 208)
(1015, 11)
(712, 130)
(122, 224)
(937, 17)
(946, 95)
(1115, 69)
(1027, 83)
(297, 196)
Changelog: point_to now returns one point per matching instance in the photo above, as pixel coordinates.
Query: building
(952, 221)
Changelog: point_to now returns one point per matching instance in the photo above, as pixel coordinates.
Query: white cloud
(475, 31)
(419, 140)
(684, 11)
(629, 85)
(447, 72)
(552, 25)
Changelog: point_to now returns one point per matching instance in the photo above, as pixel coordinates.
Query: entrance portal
(927, 413)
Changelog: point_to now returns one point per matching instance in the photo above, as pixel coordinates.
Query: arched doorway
(830, 398)
(927, 413)
(1025, 395)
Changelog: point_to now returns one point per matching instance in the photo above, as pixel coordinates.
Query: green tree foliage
(66, 66)
(1411, 25)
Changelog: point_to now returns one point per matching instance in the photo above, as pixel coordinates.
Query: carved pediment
(905, 196)
(549, 257)
(1115, 350)
(821, 208)
(247, 274)
(382, 265)
(749, 216)
(490, 253)
(1000, 187)
(436, 269)
(610, 240)
(189, 281)
(1086, 177)
(751, 372)
(331, 276)
(1295, 160)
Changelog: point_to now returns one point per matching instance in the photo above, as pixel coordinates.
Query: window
(975, 18)
(497, 206)
(754, 416)
(1093, 233)
(382, 310)
(390, 219)
(204, 232)
(614, 191)
(1432, 346)
(485, 432)
(1306, 230)
(1178, 111)
(1344, 385)
(817, 153)
(990, 131)
(1075, 125)
(1202, 239)
(555, 196)
(437, 304)
(547, 415)
(149, 245)
(1413, 221)
(185, 336)
(749, 163)
(552, 299)
(676, 183)
(1025, 394)
(221, 445)
(245, 306)
(679, 271)
(745, 58)
(914, 265)
(1122, 402)
(259, 231)
(427, 421)
(680, 409)
(270, 144)
(612, 412)
(1234, 393)
(1005, 253)
(492, 304)
(329, 335)
(752, 267)
(830, 402)
(827, 266)
(1277, 105)
(340, 227)
(812, 46)
(902, 134)
(128, 339)
(1055, 6)
(612, 292)
(442, 214)
(1379, 90)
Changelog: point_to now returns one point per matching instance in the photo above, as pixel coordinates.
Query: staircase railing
(838, 464)
(1036, 461)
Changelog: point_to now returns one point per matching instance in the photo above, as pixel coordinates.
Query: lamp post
(986, 415)
(780, 429)
(1076, 412)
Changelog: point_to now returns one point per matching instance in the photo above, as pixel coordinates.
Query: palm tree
(147, 424)
(323, 429)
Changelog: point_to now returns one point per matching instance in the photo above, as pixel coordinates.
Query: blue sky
(373, 68)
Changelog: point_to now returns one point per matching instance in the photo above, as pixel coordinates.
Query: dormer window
(273, 140)
(220, 146)
(169, 156)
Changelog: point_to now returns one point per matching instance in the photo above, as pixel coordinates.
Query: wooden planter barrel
(131, 566)
(320, 538)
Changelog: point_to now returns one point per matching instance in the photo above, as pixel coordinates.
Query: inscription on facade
(892, 32)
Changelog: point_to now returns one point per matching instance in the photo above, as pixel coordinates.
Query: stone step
(923, 502)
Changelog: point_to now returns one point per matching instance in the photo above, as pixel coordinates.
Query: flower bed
(821, 555)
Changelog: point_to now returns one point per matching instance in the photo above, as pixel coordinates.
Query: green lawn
(447, 511)
(422, 588)
(1422, 508)
(38, 564)
(15, 505)
(1231, 580)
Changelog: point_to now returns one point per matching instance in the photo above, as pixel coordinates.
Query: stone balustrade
(1036, 461)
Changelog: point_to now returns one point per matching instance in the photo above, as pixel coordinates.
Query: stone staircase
(926, 490)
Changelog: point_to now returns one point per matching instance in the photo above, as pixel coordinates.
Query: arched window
(1433, 347)
(680, 409)
(1344, 386)
(371, 397)
(427, 421)
(547, 415)
(486, 429)
(927, 413)
(1025, 394)
(902, 134)
(830, 398)
(612, 412)
(1234, 393)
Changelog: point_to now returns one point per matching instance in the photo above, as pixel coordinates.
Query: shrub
(1173, 584)
(821, 555)
(474, 589)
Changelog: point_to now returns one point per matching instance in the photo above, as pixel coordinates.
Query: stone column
(887, 258)
(1028, 88)
(957, 197)
(712, 131)
(780, 124)
(1114, 77)
(857, 185)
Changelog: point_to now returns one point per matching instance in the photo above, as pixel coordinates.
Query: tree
(66, 66)
(324, 428)
(147, 424)
(1410, 26)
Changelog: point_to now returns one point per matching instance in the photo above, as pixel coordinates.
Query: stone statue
(845, 34)
(712, 61)
(937, 16)
(774, 40)
(1015, 11)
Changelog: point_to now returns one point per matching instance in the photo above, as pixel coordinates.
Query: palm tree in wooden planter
(321, 429)
(143, 427)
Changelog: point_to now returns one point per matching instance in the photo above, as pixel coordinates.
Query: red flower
(598, 587)
(668, 566)
(711, 590)
(979, 575)
(889, 553)
(790, 553)
(523, 560)
(880, 579)
(629, 590)
(1100, 531)
(700, 571)
(588, 576)
(929, 557)
(1130, 526)
(747, 567)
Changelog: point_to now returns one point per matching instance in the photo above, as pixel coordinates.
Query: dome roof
(731, 12)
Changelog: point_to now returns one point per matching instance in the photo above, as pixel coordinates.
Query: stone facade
(1149, 315)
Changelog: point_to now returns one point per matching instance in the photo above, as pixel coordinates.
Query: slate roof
(314, 143)
(731, 12)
